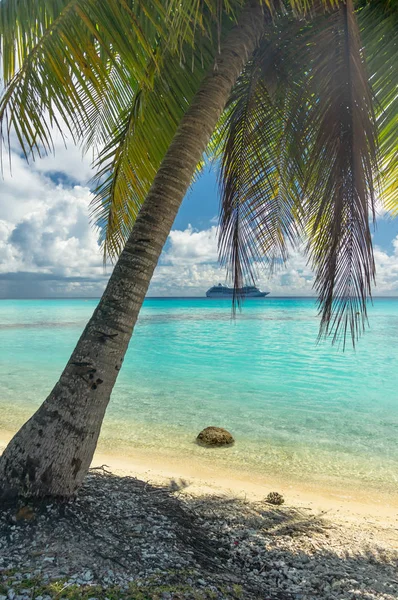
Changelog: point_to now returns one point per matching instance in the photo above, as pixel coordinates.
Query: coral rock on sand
(275, 498)
(215, 436)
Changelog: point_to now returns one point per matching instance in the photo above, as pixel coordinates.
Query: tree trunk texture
(51, 454)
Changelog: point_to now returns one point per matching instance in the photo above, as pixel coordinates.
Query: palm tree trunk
(51, 453)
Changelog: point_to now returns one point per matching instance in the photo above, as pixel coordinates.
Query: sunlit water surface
(298, 409)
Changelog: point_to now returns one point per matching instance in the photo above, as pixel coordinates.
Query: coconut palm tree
(296, 128)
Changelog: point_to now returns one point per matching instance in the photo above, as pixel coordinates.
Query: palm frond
(193, 15)
(85, 68)
(379, 31)
(261, 154)
(135, 148)
(129, 161)
(60, 58)
(340, 184)
(57, 56)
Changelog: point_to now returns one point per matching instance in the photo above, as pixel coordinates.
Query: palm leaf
(340, 184)
(71, 55)
(93, 68)
(379, 30)
(128, 163)
(85, 68)
(261, 155)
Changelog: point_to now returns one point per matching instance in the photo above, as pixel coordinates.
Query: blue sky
(202, 204)
(49, 249)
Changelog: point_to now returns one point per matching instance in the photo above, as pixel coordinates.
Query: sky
(48, 248)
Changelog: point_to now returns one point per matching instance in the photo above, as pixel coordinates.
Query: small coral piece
(275, 498)
(25, 513)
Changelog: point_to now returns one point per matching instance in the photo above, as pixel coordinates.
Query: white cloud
(67, 159)
(191, 247)
(386, 271)
(189, 267)
(48, 247)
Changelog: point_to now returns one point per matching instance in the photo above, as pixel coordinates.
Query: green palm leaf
(128, 163)
(70, 56)
(379, 31)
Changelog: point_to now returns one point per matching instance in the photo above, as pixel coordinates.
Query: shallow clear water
(297, 409)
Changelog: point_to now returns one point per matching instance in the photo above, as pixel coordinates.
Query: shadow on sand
(120, 530)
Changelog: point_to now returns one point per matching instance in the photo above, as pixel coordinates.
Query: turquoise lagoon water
(298, 409)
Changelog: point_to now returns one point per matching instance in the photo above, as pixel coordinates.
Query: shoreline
(195, 479)
(190, 477)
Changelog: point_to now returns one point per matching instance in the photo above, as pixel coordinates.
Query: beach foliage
(51, 453)
(149, 588)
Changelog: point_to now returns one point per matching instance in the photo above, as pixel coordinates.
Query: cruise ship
(222, 291)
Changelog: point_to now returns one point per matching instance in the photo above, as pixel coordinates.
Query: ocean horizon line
(269, 297)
